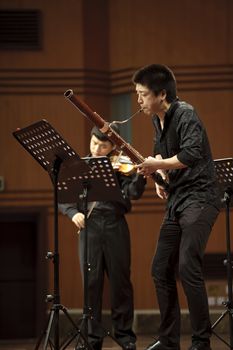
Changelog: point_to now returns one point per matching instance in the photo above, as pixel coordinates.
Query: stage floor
(143, 341)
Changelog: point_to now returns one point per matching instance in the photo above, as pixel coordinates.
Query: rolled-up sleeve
(69, 209)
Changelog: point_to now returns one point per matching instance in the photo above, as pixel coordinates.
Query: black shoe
(200, 346)
(159, 346)
(95, 346)
(80, 347)
(129, 346)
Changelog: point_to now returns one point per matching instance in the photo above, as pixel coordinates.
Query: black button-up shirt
(184, 135)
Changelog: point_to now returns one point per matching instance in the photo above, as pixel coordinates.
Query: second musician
(109, 251)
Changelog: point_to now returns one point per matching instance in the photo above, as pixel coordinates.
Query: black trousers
(181, 247)
(109, 251)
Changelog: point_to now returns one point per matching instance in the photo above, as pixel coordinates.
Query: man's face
(149, 103)
(100, 148)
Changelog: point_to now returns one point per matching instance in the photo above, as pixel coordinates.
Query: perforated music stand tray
(46, 146)
(100, 179)
(224, 172)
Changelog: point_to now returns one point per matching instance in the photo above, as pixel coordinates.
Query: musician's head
(155, 87)
(100, 144)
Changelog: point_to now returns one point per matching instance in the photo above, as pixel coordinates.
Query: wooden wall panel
(21, 111)
(171, 32)
(230, 31)
(70, 277)
(214, 108)
(62, 36)
(144, 228)
(96, 34)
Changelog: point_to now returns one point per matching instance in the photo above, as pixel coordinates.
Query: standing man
(108, 251)
(182, 154)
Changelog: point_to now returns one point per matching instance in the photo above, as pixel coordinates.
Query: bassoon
(105, 128)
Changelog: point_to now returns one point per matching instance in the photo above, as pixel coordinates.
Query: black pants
(181, 247)
(109, 251)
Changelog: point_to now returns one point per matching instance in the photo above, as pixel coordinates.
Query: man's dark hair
(101, 136)
(157, 77)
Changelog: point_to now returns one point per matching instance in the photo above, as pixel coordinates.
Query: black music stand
(224, 170)
(98, 184)
(49, 149)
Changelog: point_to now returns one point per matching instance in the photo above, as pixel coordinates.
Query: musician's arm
(169, 163)
(152, 164)
(70, 209)
(162, 172)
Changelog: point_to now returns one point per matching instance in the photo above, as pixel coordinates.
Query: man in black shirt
(108, 251)
(183, 157)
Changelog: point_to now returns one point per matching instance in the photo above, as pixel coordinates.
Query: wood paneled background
(93, 47)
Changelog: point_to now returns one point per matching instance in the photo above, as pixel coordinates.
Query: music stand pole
(224, 168)
(229, 265)
(56, 296)
(86, 267)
